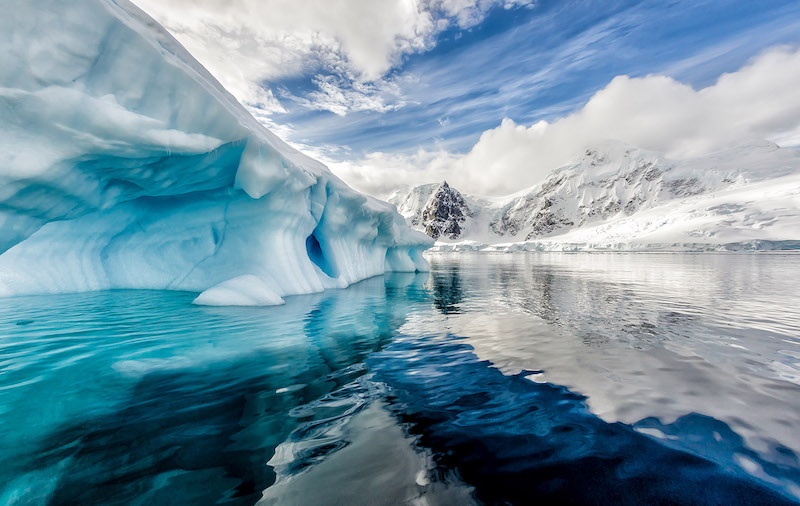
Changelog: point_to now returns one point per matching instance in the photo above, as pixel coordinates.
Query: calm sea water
(518, 378)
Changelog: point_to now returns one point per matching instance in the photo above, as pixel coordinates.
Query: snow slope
(618, 197)
(127, 165)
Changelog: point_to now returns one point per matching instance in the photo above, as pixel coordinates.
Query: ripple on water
(577, 378)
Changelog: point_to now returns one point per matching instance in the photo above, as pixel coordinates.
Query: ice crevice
(128, 166)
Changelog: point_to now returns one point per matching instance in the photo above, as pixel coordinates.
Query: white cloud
(348, 46)
(379, 174)
(468, 13)
(760, 100)
(340, 97)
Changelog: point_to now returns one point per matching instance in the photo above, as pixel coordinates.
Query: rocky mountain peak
(445, 212)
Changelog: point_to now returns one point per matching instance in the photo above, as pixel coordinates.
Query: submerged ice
(127, 165)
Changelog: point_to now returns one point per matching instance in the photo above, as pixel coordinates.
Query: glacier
(615, 197)
(127, 165)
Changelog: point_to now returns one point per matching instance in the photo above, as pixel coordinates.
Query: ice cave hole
(317, 255)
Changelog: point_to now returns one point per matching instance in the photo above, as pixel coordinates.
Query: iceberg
(127, 165)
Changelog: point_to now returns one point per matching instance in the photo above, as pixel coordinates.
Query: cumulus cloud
(761, 100)
(347, 46)
(380, 174)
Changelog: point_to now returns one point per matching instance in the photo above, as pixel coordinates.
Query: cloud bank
(347, 47)
(761, 100)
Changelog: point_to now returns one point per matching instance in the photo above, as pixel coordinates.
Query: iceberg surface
(127, 165)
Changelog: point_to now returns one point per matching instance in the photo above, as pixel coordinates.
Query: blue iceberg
(127, 165)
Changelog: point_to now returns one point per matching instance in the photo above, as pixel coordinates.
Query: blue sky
(397, 92)
(543, 62)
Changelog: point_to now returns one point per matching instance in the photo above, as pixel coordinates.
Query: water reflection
(446, 289)
(208, 396)
(649, 337)
(518, 441)
(507, 378)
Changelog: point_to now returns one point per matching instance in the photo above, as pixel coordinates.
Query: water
(577, 378)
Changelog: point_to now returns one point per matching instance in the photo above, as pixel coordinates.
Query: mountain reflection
(499, 379)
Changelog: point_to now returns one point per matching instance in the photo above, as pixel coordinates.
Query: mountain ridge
(621, 197)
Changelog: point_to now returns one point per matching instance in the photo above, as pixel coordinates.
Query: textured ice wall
(125, 164)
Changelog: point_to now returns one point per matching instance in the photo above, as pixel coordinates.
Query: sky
(493, 94)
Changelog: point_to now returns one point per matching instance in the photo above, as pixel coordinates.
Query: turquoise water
(605, 378)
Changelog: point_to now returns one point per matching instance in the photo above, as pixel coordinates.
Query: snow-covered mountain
(436, 209)
(127, 165)
(618, 197)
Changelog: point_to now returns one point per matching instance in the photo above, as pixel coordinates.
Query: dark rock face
(546, 221)
(506, 225)
(445, 212)
(684, 187)
(550, 209)
(538, 212)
